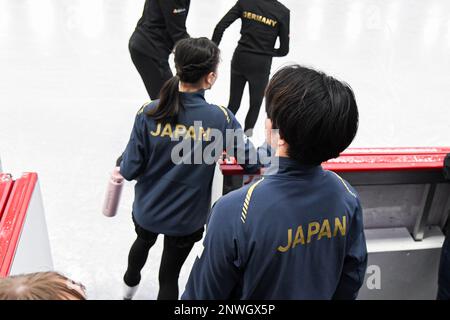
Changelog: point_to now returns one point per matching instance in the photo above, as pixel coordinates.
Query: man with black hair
(263, 22)
(297, 233)
(444, 268)
(162, 25)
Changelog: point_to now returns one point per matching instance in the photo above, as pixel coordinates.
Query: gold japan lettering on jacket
(175, 132)
(314, 231)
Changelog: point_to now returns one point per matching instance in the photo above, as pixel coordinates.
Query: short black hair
(316, 114)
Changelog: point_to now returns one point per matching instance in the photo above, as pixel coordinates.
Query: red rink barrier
(24, 243)
(6, 184)
(406, 203)
(375, 159)
(388, 159)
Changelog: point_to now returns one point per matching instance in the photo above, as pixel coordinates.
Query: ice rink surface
(69, 93)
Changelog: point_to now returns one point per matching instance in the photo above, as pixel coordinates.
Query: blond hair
(41, 286)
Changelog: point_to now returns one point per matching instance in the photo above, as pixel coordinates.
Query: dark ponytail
(194, 59)
(169, 102)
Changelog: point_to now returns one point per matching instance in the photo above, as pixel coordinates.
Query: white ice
(69, 93)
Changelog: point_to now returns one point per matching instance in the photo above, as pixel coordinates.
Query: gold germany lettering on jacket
(259, 18)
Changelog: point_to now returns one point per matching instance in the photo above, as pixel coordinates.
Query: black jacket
(162, 25)
(263, 21)
(447, 177)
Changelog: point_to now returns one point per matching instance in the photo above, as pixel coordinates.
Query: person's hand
(119, 160)
(116, 174)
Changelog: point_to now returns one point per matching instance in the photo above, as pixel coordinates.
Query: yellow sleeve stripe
(345, 184)
(224, 110)
(143, 107)
(247, 201)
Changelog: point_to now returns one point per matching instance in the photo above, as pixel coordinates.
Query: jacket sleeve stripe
(247, 200)
(345, 184)
(224, 110)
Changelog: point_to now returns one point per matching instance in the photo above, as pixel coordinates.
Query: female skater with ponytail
(173, 198)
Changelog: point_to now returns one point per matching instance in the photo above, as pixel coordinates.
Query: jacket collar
(283, 166)
(193, 97)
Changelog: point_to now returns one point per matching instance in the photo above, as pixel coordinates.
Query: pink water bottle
(113, 193)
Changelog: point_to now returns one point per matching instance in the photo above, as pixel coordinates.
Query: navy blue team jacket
(174, 198)
(296, 234)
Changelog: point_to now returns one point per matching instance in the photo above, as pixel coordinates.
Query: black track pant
(254, 69)
(444, 271)
(176, 250)
(154, 71)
